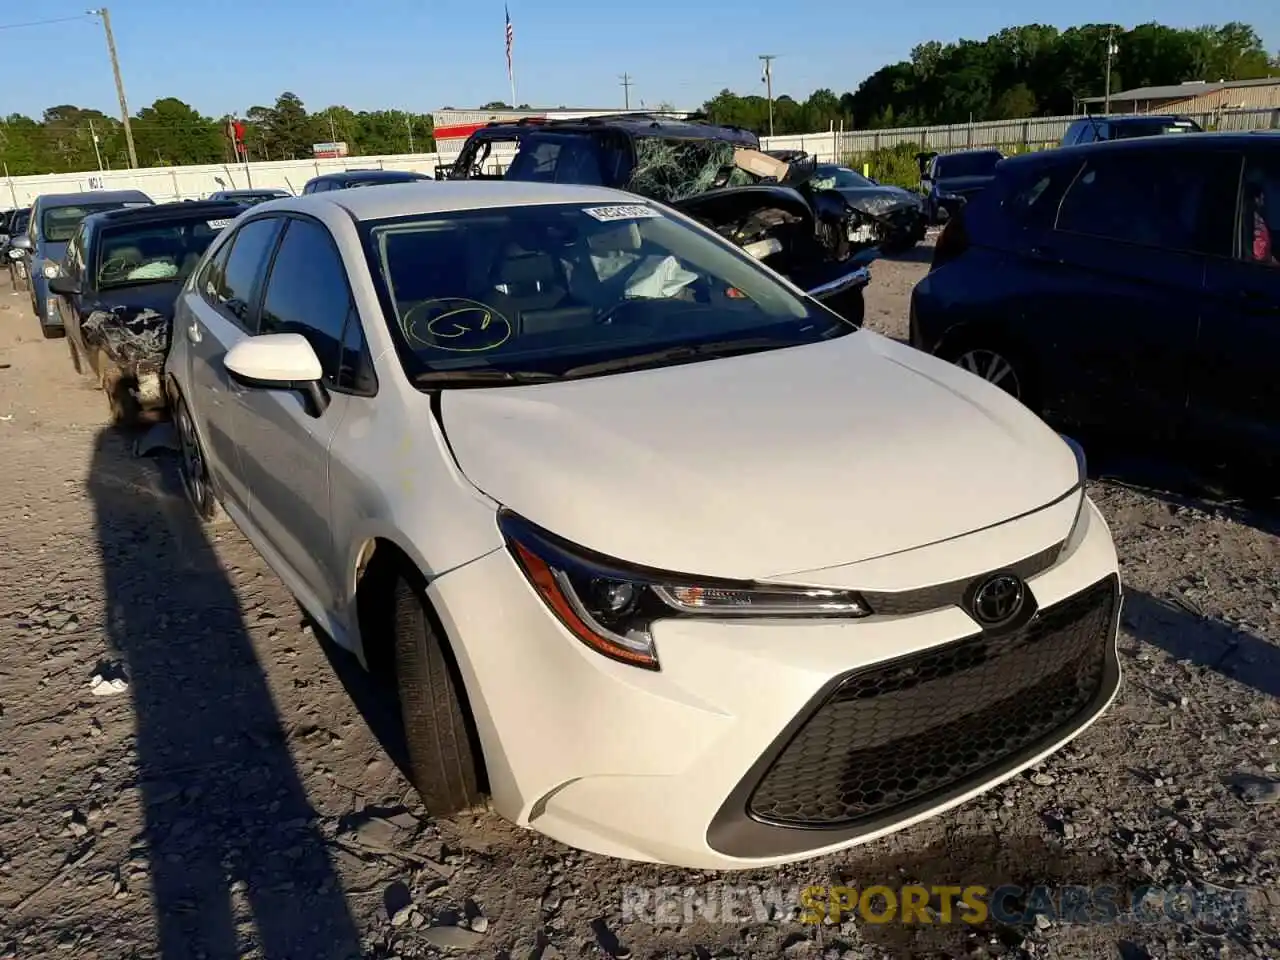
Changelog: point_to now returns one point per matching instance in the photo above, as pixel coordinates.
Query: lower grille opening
(897, 733)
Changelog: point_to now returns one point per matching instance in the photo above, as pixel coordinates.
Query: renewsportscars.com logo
(940, 904)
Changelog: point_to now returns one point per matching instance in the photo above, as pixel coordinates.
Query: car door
(1235, 397)
(1120, 278)
(218, 312)
(284, 442)
(71, 308)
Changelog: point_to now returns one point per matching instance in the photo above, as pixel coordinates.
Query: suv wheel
(992, 366)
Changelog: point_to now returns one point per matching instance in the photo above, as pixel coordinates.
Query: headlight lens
(50, 271)
(611, 606)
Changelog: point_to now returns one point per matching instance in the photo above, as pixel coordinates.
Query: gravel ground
(187, 771)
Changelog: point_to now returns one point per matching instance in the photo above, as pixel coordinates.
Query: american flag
(511, 36)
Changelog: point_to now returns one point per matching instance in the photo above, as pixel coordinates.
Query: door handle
(193, 332)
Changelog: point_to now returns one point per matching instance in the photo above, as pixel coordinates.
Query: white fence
(164, 184)
(179, 183)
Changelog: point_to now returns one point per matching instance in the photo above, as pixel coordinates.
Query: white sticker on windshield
(623, 211)
(218, 224)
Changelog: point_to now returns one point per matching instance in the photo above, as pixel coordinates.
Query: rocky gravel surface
(186, 770)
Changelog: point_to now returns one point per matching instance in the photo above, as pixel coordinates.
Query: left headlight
(611, 606)
(50, 271)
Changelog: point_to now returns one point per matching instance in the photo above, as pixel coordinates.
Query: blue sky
(232, 54)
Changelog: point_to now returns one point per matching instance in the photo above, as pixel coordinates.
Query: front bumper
(594, 753)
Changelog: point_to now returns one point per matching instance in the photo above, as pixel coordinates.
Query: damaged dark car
(950, 180)
(715, 174)
(898, 219)
(116, 290)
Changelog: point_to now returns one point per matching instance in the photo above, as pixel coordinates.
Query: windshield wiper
(720, 348)
(438, 378)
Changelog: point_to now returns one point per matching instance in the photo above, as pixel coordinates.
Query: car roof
(1142, 118)
(1270, 139)
(162, 212)
(90, 196)
(252, 192)
(637, 125)
(447, 196)
(370, 175)
(979, 151)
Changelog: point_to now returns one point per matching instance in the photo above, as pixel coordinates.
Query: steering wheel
(116, 267)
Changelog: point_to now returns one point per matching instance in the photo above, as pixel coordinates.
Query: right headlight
(611, 606)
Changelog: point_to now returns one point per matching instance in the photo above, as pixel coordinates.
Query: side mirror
(64, 285)
(279, 361)
(21, 243)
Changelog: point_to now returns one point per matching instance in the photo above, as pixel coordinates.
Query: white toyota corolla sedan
(668, 562)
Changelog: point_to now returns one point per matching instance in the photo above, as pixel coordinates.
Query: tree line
(173, 133)
(1025, 71)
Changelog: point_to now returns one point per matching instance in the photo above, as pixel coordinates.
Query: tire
(442, 743)
(76, 361)
(194, 466)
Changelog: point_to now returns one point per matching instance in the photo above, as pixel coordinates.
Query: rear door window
(1181, 201)
(1261, 221)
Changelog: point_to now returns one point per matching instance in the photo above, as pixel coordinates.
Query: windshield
(831, 177)
(154, 252)
(1153, 128)
(968, 165)
(254, 197)
(59, 223)
(374, 181)
(544, 290)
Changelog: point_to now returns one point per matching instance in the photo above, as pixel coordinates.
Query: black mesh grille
(893, 735)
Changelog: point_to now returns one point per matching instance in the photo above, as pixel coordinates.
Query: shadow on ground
(238, 862)
(1226, 649)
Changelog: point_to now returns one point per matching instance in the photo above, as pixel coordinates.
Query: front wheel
(442, 744)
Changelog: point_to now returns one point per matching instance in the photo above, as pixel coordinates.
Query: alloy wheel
(993, 368)
(193, 469)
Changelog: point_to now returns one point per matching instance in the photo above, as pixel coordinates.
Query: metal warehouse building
(1196, 96)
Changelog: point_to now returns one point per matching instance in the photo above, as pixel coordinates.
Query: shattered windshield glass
(155, 252)
(674, 170)
(831, 177)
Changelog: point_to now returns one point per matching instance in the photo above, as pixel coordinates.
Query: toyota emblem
(999, 599)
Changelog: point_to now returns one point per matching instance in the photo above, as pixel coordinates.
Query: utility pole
(768, 59)
(1112, 50)
(333, 134)
(626, 90)
(408, 122)
(115, 68)
(93, 135)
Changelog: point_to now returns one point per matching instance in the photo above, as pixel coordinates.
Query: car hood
(53, 251)
(756, 466)
(878, 201)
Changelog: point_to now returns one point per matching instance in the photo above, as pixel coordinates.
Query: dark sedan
(898, 220)
(950, 180)
(250, 197)
(360, 178)
(116, 289)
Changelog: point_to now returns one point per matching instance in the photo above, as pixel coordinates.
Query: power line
(41, 23)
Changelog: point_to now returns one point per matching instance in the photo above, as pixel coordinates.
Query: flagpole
(513, 87)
